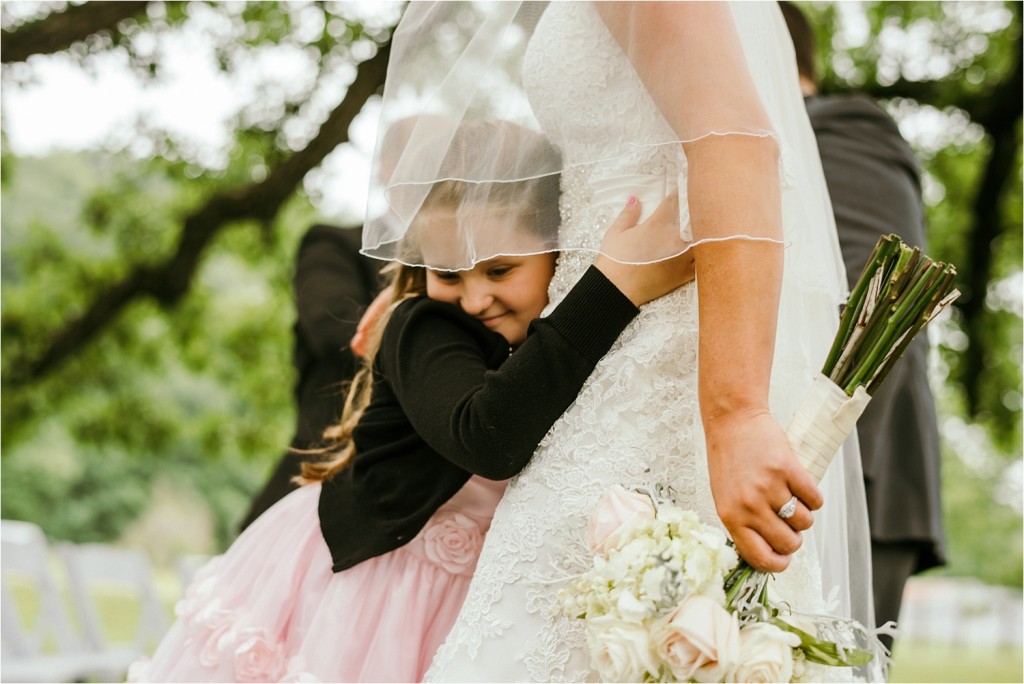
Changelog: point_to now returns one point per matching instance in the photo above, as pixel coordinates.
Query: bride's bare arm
(690, 59)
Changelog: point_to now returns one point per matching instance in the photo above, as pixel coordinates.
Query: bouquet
(897, 293)
(657, 610)
(667, 597)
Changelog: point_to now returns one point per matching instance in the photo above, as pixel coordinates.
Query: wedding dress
(637, 420)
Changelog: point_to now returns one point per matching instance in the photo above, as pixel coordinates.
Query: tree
(152, 315)
(116, 342)
(260, 200)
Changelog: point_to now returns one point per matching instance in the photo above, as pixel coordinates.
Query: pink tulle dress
(270, 608)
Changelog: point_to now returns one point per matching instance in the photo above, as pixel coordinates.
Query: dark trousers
(892, 563)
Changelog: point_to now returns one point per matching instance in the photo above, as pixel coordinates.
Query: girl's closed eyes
(505, 293)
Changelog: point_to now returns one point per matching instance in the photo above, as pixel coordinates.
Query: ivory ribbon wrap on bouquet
(823, 422)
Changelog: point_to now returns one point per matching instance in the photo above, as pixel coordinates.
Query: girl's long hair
(405, 282)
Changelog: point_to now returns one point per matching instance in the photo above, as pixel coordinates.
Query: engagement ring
(788, 509)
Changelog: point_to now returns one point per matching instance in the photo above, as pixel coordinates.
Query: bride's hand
(753, 473)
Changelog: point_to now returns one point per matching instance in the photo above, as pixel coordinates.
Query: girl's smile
(504, 293)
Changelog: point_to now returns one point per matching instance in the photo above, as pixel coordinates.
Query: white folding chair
(99, 572)
(46, 648)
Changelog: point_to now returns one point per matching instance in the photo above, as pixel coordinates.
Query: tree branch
(169, 282)
(60, 30)
(987, 226)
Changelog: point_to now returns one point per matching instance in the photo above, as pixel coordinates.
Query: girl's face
(505, 293)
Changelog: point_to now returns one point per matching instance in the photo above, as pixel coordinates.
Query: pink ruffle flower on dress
(453, 542)
(255, 656)
(258, 657)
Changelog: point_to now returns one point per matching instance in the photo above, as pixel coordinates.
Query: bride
(648, 99)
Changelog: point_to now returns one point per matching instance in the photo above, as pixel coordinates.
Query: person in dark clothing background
(874, 181)
(333, 284)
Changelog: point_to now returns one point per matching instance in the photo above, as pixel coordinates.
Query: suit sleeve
(489, 422)
(330, 292)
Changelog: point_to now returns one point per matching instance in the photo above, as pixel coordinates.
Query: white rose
(620, 651)
(617, 514)
(699, 640)
(766, 653)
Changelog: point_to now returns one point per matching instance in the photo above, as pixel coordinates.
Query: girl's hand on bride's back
(753, 473)
(627, 241)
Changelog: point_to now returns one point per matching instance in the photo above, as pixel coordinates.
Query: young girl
(360, 575)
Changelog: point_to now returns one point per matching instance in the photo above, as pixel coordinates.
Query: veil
(730, 136)
(456, 109)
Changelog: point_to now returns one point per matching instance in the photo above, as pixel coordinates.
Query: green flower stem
(913, 311)
(736, 580)
(851, 312)
(872, 328)
(895, 296)
(889, 329)
(941, 299)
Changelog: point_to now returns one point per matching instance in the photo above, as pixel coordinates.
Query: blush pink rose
(453, 541)
(617, 515)
(699, 640)
(258, 658)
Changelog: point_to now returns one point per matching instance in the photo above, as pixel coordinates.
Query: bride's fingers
(758, 552)
(802, 485)
(780, 536)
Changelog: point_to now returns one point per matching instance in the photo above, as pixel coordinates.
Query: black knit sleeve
(440, 364)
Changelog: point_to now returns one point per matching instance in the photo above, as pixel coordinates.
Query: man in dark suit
(875, 185)
(333, 284)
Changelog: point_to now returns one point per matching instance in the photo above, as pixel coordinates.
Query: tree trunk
(60, 30)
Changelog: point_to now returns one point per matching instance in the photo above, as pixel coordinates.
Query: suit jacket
(333, 284)
(875, 185)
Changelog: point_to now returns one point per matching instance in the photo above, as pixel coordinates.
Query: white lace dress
(636, 421)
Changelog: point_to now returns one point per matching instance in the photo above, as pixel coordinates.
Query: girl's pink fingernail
(631, 201)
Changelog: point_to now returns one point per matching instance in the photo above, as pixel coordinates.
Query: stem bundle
(898, 292)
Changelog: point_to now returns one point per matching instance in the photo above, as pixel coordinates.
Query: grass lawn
(932, 662)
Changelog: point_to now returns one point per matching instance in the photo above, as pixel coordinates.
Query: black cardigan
(446, 405)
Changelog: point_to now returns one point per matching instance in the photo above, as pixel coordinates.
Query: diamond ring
(788, 509)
